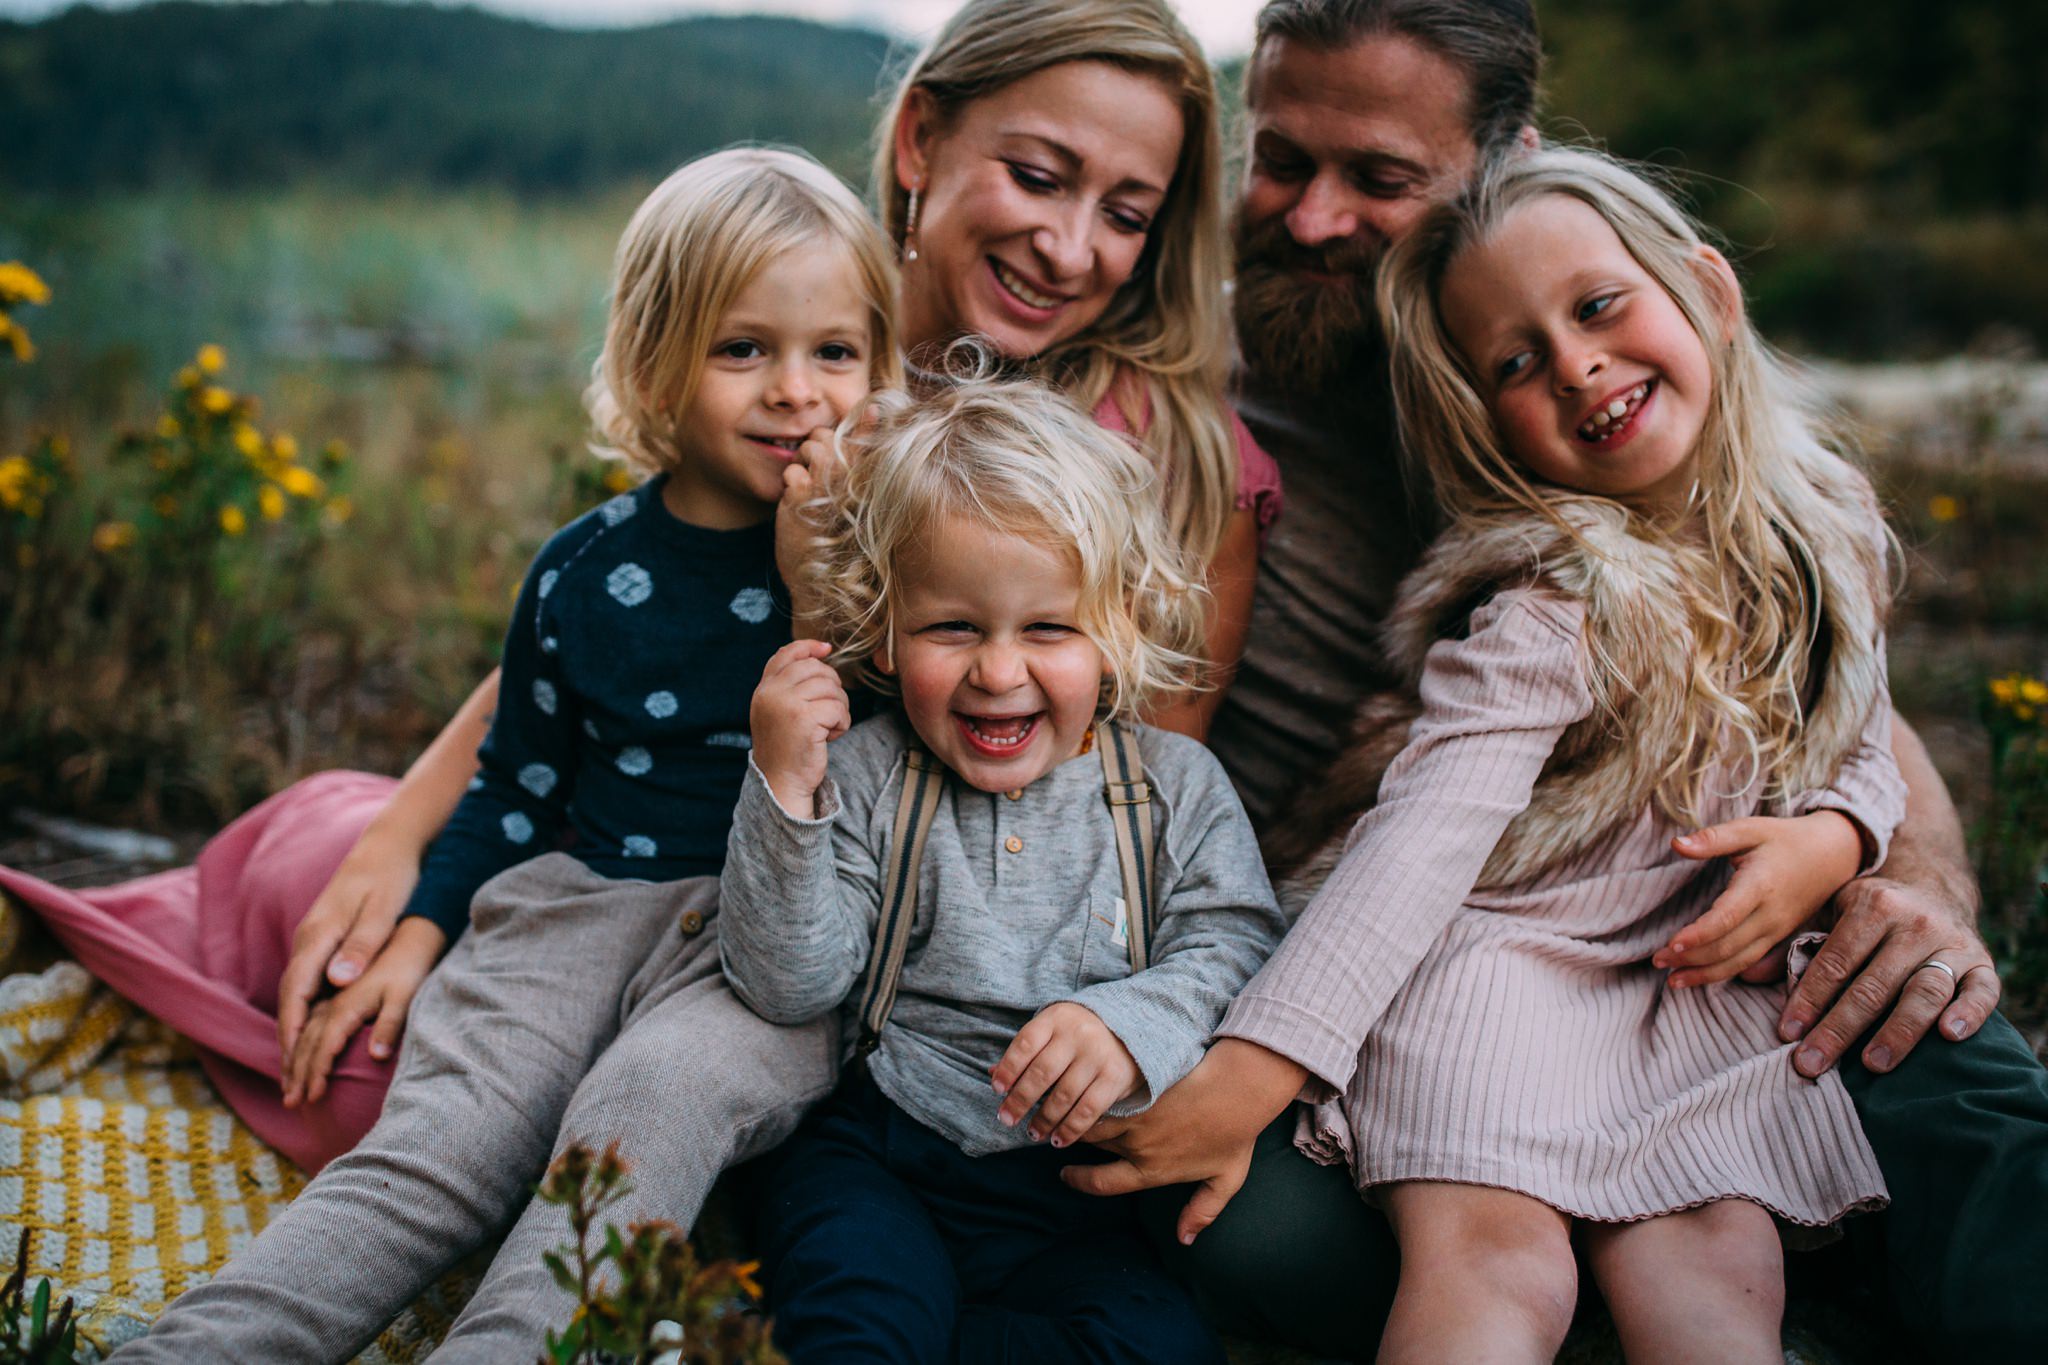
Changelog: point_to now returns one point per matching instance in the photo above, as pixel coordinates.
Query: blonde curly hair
(1020, 459)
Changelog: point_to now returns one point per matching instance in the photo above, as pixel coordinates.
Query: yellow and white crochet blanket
(135, 1179)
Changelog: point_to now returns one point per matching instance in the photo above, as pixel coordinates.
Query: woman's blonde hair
(1779, 543)
(692, 246)
(1018, 458)
(1163, 347)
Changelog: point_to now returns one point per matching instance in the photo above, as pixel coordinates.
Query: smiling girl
(1658, 606)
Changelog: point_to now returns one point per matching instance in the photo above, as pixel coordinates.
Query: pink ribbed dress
(1519, 1037)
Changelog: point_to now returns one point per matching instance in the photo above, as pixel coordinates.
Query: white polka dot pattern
(635, 761)
(753, 605)
(517, 828)
(544, 696)
(547, 581)
(630, 585)
(661, 705)
(537, 778)
(618, 509)
(730, 739)
(639, 846)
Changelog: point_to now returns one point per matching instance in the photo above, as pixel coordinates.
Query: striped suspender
(1130, 809)
(923, 780)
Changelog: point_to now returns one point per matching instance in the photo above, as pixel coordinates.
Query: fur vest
(1634, 651)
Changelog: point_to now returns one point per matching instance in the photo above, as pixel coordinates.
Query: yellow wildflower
(333, 454)
(164, 505)
(339, 509)
(745, 1275)
(618, 479)
(2034, 692)
(110, 536)
(15, 475)
(2005, 691)
(233, 520)
(31, 507)
(287, 448)
(19, 284)
(270, 501)
(168, 428)
(11, 332)
(247, 440)
(189, 377)
(2023, 712)
(301, 482)
(216, 399)
(211, 357)
(1943, 508)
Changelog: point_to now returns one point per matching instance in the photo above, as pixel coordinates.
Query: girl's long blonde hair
(691, 247)
(1163, 347)
(1021, 459)
(1780, 546)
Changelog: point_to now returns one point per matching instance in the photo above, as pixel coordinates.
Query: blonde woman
(1000, 564)
(1658, 606)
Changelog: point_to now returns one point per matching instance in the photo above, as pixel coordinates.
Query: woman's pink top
(1258, 477)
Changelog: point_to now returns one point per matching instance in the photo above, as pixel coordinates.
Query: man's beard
(1298, 331)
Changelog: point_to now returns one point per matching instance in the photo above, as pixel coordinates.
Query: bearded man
(1362, 115)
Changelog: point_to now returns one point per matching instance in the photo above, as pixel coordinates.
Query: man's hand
(383, 993)
(799, 707)
(1200, 1132)
(1068, 1063)
(1785, 870)
(1885, 933)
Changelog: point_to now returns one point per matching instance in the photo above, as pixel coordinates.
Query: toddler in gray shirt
(999, 562)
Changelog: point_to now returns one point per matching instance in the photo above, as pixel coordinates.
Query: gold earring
(910, 229)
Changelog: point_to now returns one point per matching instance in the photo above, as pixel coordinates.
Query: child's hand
(1785, 870)
(349, 924)
(384, 993)
(811, 474)
(1068, 1063)
(799, 707)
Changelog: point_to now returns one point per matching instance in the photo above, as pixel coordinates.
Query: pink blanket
(202, 947)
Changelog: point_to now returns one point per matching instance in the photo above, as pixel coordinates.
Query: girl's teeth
(1617, 408)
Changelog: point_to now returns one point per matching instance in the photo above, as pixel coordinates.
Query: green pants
(1960, 1131)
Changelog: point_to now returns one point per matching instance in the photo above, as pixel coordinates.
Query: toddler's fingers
(1721, 841)
(1101, 1094)
(384, 1034)
(1059, 1101)
(325, 1043)
(1046, 1068)
(1734, 964)
(1695, 943)
(1030, 1040)
(792, 654)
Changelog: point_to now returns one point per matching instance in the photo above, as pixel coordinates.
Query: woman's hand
(1786, 871)
(1068, 1063)
(383, 993)
(799, 707)
(1200, 1132)
(348, 926)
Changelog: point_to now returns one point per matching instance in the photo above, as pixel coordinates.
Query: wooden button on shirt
(1014, 844)
(693, 923)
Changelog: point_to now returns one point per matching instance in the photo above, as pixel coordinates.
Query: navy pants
(884, 1242)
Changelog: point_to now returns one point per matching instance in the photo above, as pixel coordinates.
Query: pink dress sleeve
(1258, 476)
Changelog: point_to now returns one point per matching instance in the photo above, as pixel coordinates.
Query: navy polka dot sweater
(621, 730)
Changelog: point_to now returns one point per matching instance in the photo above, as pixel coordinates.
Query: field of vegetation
(282, 421)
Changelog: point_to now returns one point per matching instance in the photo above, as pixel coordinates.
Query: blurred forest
(307, 294)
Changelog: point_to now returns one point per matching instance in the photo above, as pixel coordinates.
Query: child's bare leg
(1486, 1276)
(1706, 1285)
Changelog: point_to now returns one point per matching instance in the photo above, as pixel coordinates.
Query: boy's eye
(1597, 305)
(839, 351)
(1031, 178)
(948, 628)
(1049, 628)
(741, 350)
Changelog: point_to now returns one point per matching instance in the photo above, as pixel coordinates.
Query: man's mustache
(1270, 246)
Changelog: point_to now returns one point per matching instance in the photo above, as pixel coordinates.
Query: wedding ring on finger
(1938, 965)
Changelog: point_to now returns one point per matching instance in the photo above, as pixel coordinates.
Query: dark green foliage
(29, 1333)
(372, 94)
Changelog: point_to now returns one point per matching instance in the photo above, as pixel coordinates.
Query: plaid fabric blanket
(136, 1181)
